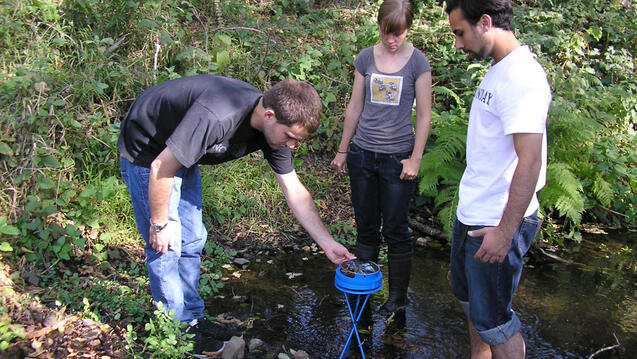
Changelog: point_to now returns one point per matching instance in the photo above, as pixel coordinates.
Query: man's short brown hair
(295, 102)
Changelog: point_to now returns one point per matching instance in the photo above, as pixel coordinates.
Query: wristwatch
(157, 227)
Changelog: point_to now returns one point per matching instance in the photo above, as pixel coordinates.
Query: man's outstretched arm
(300, 202)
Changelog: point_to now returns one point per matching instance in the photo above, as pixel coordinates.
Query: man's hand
(495, 244)
(160, 241)
(336, 252)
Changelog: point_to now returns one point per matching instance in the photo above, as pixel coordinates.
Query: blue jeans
(380, 198)
(174, 276)
(484, 290)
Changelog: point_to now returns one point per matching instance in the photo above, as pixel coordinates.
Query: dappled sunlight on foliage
(69, 247)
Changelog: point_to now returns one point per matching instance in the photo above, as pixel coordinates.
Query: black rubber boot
(366, 252)
(398, 278)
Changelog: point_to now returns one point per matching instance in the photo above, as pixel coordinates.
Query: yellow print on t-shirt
(386, 89)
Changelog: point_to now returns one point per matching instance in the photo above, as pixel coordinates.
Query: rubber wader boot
(398, 278)
(366, 252)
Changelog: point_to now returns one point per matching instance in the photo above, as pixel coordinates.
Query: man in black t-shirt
(175, 126)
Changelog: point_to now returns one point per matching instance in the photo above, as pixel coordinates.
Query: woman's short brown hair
(395, 16)
(293, 102)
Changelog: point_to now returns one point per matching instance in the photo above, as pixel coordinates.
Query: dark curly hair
(501, 11)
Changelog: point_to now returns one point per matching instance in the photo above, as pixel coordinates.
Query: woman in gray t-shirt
(381, 147)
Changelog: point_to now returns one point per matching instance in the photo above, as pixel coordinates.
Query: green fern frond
(449, 146)
(603, 191)
(571, 207)
(446, 151)
(428, 183)
(563, 192)
(441, 90)
(447, 215)
(451, 174)
(443, 163)
(561, 174)
(447, 195)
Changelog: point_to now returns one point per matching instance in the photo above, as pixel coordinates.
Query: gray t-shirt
(385, 123)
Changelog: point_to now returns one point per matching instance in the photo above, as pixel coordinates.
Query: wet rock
(234, 349)
(88, 323)
(113, 253)
(240, 298)
(254, 344)
(50, 320)
(241, 261)
(421, 241)
(32, 279)
(36, 344)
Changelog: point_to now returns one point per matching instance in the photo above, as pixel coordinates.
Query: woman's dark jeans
(380, 198)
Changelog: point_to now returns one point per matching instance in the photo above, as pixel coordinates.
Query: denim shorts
(485, 290)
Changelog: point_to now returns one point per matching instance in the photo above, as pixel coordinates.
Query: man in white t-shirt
(506, 165)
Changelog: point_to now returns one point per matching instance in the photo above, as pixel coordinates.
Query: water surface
(567, 311)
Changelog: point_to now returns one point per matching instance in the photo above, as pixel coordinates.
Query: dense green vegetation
(70, 69)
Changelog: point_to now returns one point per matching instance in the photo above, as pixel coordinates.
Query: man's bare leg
(514, 348)
(479, 349)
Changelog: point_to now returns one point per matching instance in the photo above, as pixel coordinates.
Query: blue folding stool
(359, 279)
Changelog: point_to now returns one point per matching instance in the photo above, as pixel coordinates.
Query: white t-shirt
(513, 97)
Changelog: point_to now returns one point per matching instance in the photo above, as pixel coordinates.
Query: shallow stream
(567, 311)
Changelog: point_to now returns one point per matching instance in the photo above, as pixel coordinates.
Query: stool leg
(355, 316)
(360, 343)
(351, 333)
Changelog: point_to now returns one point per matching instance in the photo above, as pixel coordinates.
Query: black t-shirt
(202, 119)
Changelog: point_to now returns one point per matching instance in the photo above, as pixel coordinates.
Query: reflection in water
(566, 311)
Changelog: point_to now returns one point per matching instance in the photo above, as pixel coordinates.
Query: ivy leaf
(46, 183)
(330, 97)
(5, 149)
(50, 162)
(595, 32)
(223, 58)
(223, 39)
(6, 247)
(10, 230)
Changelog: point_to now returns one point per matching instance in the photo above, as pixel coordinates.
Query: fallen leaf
(292, 275)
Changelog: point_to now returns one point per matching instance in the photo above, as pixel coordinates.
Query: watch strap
(158, 227)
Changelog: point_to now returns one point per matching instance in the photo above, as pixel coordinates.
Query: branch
(537, 252)
(607, 348)
(430, 231)
(115, 45)
(337, 81)
(157, 48)
(237, 28)
(613, 212)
